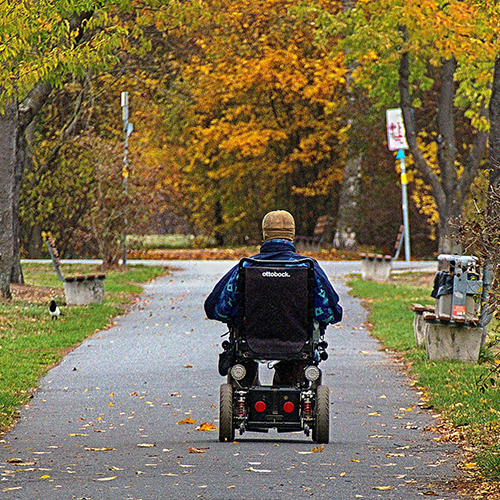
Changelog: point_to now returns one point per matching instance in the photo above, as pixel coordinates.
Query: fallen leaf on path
(14, 460)
(382, 488)
(99, 449)
(374, 414)
(77, 434)
(12, 489)
(186, 421)
(106, 478)
(46, 476)
(264, 471)
(206, 427)
(197, 450)
(145, 445)
(185, 465)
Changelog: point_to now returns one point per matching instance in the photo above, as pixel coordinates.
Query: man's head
(278, 224)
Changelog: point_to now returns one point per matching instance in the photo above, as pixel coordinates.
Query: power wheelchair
(275, 324)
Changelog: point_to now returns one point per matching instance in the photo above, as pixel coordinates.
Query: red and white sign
(396, 129)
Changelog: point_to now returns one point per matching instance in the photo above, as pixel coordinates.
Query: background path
(104, 423)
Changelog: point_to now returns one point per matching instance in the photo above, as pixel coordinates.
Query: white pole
(124, 103)
(406, 223)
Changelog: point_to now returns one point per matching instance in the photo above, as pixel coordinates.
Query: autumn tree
(265, 113)
(405, 50)
(42, 42)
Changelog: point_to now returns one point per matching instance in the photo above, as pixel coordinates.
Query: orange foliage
(266, 109)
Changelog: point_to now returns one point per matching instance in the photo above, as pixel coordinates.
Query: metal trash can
(457, 289)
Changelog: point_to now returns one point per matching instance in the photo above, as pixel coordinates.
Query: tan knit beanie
(278, 224)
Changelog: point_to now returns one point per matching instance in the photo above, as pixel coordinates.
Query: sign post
(397, 142)
(127, 130)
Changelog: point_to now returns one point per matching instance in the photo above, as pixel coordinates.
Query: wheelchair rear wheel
(226, 427)
(321, 427)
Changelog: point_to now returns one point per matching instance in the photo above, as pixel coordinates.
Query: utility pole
(127, 130)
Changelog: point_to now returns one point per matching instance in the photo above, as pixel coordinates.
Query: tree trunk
(448, 188)
(345, 232)
(8, 160)
(13, 123)
(494, 151)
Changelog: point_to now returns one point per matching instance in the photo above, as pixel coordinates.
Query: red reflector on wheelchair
(289, 407)
(260, 406)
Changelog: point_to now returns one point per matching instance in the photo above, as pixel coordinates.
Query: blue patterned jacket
(222, 303)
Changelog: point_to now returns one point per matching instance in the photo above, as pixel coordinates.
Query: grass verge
(471, 410)
(31, 343)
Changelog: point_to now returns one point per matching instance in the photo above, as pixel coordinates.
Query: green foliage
(43, 41)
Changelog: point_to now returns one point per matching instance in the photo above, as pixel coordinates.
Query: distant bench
(313, 243)
(80, 290)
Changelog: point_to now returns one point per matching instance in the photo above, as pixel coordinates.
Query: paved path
(104, 424)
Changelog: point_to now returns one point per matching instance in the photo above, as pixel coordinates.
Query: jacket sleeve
(326, 300)
(222, 303)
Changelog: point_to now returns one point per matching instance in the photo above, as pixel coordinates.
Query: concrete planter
(84, 290)
(419, 329)
(376, 267)
(450, 341)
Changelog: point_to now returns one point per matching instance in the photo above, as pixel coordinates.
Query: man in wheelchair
(277, 305)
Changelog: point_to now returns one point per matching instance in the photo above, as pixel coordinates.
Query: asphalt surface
(105, 423)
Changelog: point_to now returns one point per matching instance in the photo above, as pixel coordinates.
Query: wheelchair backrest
(276, 306)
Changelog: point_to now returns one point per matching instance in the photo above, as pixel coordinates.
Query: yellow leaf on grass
(471, 465)
(206, 427)
(186, 421)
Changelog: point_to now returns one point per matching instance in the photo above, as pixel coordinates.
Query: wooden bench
(79, 290)
(313, 243)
